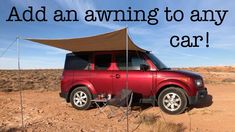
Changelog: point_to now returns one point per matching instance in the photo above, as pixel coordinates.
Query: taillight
(61, 77)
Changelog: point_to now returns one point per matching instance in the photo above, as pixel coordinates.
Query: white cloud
(31, 63)
(56, 52)
(48, 50)
(223, 38)
(83, 5)
(8, 63)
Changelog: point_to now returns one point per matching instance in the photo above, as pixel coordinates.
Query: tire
(80, 98)
(172, 101)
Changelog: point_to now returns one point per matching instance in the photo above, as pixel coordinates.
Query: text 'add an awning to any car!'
(113, 41)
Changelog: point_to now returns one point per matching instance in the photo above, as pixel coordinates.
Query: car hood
(183, 72)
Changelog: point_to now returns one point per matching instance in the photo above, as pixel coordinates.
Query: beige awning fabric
(112, 41)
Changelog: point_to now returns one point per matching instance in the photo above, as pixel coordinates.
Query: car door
(139, 81)
(101, 77)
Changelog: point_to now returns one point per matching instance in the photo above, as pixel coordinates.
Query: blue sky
(151, 37)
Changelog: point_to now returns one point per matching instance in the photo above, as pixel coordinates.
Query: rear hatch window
(77, 62)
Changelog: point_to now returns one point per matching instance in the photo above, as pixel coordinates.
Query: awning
(105, 42)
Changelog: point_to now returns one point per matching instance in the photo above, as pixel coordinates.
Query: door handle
(117, 75)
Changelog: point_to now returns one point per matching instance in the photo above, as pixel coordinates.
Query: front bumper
(200, 96)
(64, 95)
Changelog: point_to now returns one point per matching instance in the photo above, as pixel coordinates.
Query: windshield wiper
(165, 68)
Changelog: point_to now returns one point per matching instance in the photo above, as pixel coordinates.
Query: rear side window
(103, 62)
(77, 62)
(134, 61)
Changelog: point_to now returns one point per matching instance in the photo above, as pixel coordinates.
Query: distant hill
(49, 79)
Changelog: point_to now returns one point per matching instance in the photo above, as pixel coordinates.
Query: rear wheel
(172, 100)
(80, 98)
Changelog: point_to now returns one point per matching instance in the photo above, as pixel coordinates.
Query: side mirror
(144, 67)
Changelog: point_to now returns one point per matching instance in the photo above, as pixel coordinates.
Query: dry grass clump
(154, 124)
(148, 119)
(228, 80)
(30, 79)
(168, 127)
(12, 130)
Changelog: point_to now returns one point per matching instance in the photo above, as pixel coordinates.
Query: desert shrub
(207, 81)
(161, 126)
(148, 119)
(228, 80)
(30, 79)
(12, 130)
(212, 69)
(156, 125)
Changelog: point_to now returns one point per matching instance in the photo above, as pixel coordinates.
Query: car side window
(134, 61)
(103, 62)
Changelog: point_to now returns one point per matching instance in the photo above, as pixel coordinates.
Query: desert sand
(44, 110)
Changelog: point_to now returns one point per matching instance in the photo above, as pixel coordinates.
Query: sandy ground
(44, 110)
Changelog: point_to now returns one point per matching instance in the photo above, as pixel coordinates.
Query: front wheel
(80, 98)
(172, 101)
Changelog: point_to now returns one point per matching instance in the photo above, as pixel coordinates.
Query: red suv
(90, 74)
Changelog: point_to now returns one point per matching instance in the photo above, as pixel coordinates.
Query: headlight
(198, 82)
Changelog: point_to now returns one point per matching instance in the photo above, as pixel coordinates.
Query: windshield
(160, 65)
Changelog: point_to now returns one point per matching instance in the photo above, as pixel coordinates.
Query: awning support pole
(19, 81)
(127, 123)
